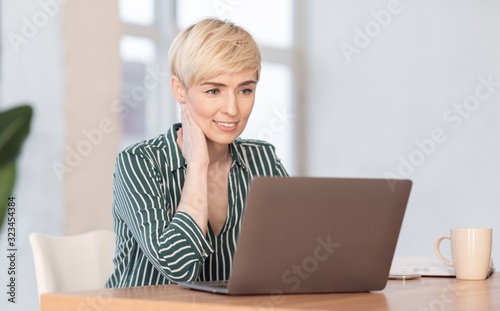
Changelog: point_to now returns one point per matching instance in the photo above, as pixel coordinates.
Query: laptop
(315, 235)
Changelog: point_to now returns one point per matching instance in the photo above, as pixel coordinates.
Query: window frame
(163, 110)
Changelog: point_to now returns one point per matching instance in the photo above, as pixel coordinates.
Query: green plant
(14, 128)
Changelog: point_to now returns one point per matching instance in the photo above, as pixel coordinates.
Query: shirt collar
(237, 156)
(177, 159)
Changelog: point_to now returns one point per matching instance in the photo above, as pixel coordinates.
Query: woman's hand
(193, 144)
(191, 139)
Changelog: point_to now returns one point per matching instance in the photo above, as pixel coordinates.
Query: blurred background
(379, 88)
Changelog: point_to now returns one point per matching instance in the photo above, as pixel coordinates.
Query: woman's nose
(230, 105)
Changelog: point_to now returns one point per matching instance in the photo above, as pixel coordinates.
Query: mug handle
(438, 252)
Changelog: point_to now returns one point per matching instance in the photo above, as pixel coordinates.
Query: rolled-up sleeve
(176, 247)
(279, 169)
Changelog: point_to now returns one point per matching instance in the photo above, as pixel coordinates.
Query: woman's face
(222, 105)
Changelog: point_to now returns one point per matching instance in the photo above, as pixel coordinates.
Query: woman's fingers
(180, 137)
(194, 143)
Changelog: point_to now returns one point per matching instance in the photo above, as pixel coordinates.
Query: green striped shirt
(156, 245)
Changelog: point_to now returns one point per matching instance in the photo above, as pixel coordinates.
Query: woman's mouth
(226, 126)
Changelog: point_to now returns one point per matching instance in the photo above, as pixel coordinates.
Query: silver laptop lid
(314, 235)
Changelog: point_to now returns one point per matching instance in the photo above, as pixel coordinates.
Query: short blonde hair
(212, 47)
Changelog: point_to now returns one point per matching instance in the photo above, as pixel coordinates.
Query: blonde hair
(212, 47)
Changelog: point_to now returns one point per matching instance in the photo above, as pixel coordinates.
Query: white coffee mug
(470, 252)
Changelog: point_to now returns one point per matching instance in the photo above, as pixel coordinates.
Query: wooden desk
(417, 295)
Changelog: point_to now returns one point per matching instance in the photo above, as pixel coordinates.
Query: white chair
(72, 263)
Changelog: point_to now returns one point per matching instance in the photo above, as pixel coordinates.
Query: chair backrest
(72, 263)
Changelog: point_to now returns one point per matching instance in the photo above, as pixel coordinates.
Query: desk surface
(418, 295)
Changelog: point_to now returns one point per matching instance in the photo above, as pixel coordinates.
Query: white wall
(32, 73)
(67, 67)
(91, 104)
(366, 111)
(362, 115)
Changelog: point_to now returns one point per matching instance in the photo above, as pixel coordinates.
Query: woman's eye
(213, 92)
(246, 91)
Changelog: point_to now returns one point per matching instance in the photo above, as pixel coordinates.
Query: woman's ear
(178, 90)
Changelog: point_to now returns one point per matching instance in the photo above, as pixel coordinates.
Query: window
(137, 53)
(248, 14)
(147, 107)
(139, 13)
(272, 117)
(150, 27)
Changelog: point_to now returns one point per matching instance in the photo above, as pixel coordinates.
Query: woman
(179, 198)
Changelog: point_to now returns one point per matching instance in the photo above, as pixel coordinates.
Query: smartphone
(404, 276)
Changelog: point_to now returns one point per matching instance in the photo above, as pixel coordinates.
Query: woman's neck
(219, 154)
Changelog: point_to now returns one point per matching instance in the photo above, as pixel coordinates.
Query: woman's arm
(279, 169)
(193, 144)
(175, 246)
